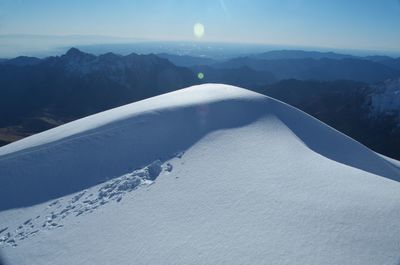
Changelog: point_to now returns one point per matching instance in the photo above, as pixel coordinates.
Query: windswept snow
(210, 174)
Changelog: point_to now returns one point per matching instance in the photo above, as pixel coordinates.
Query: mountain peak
(76, 53)
(181, 164)
(73, 51)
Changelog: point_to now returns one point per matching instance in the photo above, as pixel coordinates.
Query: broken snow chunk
(179, 154)
(34, 232)
(5, 237)
(53, 203)
(85, 201)
(11, 241)
(77, 197)
(129, 184)
(154, 169)
(168, 167)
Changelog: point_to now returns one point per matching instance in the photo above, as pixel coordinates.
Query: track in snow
(84, 202)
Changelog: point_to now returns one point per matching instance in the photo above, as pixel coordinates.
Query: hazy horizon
(368, 26)
(46, 45)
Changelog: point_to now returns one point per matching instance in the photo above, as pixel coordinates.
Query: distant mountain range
(303, 65)
(187, 60)
(21, 61)
(78, 84)
(348, 92)
(278, 65)
(318, 69)
(299, 54)
(242, 76)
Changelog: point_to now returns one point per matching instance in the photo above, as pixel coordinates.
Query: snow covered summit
(207, 174)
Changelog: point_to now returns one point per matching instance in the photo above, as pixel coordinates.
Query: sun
(198, 30)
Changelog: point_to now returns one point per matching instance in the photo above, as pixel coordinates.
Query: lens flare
(198, 30)
(200, 75)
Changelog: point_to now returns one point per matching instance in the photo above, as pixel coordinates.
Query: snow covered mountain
(210, 174)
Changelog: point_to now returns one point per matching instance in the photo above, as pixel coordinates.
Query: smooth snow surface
(210, 174)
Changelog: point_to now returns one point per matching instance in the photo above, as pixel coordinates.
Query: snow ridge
(260, 183)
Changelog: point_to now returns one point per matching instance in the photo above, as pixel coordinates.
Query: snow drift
(208, 174)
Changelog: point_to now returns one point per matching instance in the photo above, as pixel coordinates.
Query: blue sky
(353, 24)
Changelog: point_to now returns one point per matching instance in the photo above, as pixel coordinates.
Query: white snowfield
(210, 174)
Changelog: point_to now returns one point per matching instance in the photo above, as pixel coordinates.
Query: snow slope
(210, 174)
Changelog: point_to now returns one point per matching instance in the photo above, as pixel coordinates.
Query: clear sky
(354, 24)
